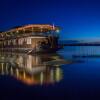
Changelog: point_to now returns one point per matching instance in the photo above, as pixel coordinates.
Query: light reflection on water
(33, 69)
(44, 68)
(73, 72)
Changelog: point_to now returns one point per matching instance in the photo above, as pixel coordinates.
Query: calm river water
(72, 73)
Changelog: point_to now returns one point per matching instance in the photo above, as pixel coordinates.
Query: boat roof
(36, 28)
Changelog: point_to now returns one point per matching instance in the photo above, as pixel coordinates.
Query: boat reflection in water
(32, 69)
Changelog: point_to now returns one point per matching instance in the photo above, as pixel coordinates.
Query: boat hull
(31, 50)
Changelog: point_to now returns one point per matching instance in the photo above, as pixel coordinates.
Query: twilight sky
(77, 18)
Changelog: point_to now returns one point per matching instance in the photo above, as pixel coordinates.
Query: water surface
(72, 73)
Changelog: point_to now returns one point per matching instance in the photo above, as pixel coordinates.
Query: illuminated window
(9, 42)
(21, 41)
(14, 42)
(29, 41)
(25, 40)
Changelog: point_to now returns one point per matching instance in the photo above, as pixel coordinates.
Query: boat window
(9, 42)
(14, 42)
(20, 41)
(29, 41)
(25, 40)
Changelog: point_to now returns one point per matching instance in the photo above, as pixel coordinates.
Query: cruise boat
(32, 38)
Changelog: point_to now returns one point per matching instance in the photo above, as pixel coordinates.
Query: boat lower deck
(30, 50)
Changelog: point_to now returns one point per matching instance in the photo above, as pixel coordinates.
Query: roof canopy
(35, 26)
(26, 29)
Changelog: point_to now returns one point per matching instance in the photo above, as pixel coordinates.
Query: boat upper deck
(29, 30)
